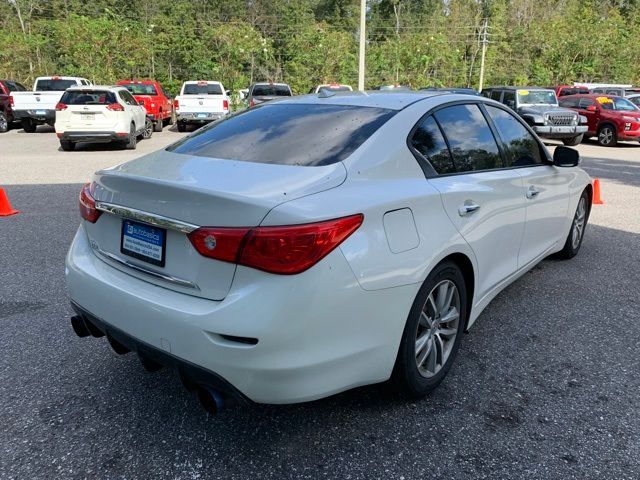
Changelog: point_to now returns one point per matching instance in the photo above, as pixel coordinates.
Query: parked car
(635, 99)
(99, 114)
(614, 90)
(315, 244)
(332, 87)
(155, 100)
(539, 108)
(464, 91)
(200, 102)
(7, 87)
(397, 87)
(564, 90)
(264, 92)
(609, 118)
(39, 106)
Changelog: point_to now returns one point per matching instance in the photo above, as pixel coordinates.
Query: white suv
(99, 114)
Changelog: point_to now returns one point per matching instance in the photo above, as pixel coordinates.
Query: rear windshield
(88, 97)
(51, 85)
(206, 89)
(289, 134)
(271, 90)
(140, 89)
(573, 91)
(14, 87)
(335, 88)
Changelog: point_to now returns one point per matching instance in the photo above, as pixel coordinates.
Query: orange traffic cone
(5, 206)
(596, 193)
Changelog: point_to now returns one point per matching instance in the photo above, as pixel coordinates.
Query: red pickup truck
(610, 118)
(7, 87)
(152, 96)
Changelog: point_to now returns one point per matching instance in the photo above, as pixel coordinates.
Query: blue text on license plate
(143, 242)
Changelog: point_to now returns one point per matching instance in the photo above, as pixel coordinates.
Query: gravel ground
(545, 387)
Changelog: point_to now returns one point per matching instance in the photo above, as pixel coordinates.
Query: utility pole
(484, 41)
(363, 37)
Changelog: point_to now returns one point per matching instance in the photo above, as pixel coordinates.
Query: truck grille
(562, 119)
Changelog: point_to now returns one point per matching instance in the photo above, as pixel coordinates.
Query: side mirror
(591, 108)
(566, 157)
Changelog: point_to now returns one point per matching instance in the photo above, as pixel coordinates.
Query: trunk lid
(36, 100)
(200, 103)
(197, 191)
(87, 118)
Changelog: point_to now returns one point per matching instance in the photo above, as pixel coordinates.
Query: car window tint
(522, 147)
(428, 140)
(287, 134)
(202, 89)
(585, 102)
(140, 89)
(568, 102)
(88, 97)
(509, 96)
(53, 85)
(495, 95)
(271, 90)
(470, 138)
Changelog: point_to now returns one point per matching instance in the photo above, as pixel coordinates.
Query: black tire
(148, 129)
(67, 146)
(607, 136)
(132, 141)
(406, 374)
(572, 247)
(28, 125)
(4, 124)
(573, 141)
(169, 120)
(182, 127)
(158, 125)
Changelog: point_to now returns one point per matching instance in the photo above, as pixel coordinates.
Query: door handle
(468, 208)
(532, 192)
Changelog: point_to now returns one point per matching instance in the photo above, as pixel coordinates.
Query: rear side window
(569, 102)
(522, 148)
(495, 95)
(88, 97)
(202, 89)
(428, 140)
(472, 143)
(585, 102)
(140, 89)
(51, 85)
(287, 134)
(509, 98)
(271, 90)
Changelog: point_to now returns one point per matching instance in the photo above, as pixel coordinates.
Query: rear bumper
(38, 115)
(198, 117)
(317, 333)
(92, 137)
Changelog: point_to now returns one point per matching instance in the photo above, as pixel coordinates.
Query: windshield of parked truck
(616, 103)
(88, 97)
(140, 89)
(202, 89)
(53, 85)
(537, 97)
(271, 91)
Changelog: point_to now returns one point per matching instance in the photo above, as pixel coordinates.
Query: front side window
(287, 134)
(585, 102)
(88, 97)
(470, 138)
(616, 103)
(428, 140)
(522, 148)
(569, 102)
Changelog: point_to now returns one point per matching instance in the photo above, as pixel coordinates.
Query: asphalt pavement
(546, 385)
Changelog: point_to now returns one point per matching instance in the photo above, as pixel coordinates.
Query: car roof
(80, 88)
(202, 81)
(518, 88)
(144, 82)
(389, 99)
(271, 83)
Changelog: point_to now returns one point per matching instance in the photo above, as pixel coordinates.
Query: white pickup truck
(39, 106)
(200, 102)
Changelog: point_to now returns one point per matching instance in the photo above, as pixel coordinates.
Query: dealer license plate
(144, 242)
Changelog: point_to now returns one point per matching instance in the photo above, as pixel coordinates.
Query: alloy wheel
(578, 223)
(606, 135)
(437, 329)
(4, 126)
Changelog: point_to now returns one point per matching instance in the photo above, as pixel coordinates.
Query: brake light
(60, 106)
(284, 250)
(176, 104)
(225, 104)
(87, 205)
(115, 107)
(11, 102)
(252, 103)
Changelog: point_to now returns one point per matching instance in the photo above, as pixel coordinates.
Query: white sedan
(319, 243)
(100, 114)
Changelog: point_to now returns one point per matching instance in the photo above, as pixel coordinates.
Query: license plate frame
(202, 115)
(41, 112)
(87, 116)
(134, 242)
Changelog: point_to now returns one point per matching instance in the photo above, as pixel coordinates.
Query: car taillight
(252, 103)
(87, 205)
(115, 107)
(176, 104)
(11, 102)
(225, 104)
(284, 250)
(60, 106)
